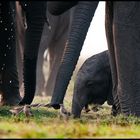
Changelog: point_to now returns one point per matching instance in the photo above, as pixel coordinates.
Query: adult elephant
(122, 31)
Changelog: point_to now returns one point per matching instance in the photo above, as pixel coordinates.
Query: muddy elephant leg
(9, 83)
(35, 14)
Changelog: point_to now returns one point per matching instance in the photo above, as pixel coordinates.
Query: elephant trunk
(29, 80)
(35, 14)
(76, 108)
(78, 102)
(83, 15)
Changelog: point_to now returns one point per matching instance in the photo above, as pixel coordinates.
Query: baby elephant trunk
(76, 109)
(78, 103)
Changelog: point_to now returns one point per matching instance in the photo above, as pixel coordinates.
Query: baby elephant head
(93, 83)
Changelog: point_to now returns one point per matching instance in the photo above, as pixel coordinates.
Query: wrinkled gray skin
(55, 42)
(122, 24)
(93, 84)
(51, 40)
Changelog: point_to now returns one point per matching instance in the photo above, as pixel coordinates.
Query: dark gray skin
(121, 23)
(93, 84)
(35, 17)
(55, 42)
(31, 50)
(52, 39)
(20, 33)
(9, 83)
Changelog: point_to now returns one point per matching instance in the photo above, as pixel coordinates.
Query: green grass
(46, 123)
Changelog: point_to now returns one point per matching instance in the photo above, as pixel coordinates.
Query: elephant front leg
(9, 84)
(126, 31)
(112, 54)
(128, 66)
(35, 14)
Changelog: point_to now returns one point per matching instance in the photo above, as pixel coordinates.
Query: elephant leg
(20, 33)
(55, 53)
(126, 31)
(112, 53)
(40, 78)
(35, 14)
(57, 37)
(9, 84)
(127, 48)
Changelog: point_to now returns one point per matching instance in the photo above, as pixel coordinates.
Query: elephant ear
(59, 7)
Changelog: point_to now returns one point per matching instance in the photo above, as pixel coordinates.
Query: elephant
(122, 33)
(93, 83)
(9, 83)
(46, 39)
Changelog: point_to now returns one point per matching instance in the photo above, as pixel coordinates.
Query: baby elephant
(93, 83)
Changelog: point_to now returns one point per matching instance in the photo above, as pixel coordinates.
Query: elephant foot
(55, 106)
(10, 100)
